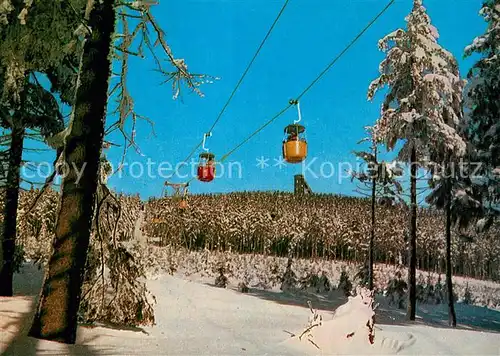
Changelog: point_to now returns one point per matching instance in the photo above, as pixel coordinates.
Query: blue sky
(219, 38)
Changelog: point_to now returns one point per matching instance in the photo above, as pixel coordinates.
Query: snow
(195, 318)
(434, 31)
(348, 330)
(477, 43)
(434, 72)
(410, 116)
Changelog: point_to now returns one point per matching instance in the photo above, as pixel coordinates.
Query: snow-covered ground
(266, 272)
(195, 318)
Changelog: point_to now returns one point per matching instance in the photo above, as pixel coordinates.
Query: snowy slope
(197, 319)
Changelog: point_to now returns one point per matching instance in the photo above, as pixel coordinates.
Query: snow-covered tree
(422, 107)
(82, 141)
(483, 108)
(29, 46)
(380, 178)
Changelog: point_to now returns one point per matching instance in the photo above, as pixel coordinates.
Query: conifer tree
(30, 45)
(482, 124)
(82, 142)
(381, 179)
(421, 107)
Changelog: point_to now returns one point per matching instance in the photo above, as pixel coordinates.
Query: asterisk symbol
(279, 162)
(262, 162)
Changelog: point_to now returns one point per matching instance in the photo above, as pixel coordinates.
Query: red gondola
(206, 168)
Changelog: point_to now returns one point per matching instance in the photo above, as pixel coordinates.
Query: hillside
(317, 226)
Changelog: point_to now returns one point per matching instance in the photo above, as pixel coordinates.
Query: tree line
(318, 226)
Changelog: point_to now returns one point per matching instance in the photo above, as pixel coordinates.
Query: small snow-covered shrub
(429, 292)
(113, 289)
(275, 274)
(439, 295)
(243, 288)
(324, 283)
(314, 282)
(117, 295)
(396, 291)
(467, 298)
(363, 275)
(309, 281)
(221, 279)
(345, 284)
(424, 287)
(289, 281)
(165, 262)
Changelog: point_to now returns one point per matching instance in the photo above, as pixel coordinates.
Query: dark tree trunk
(372, 229)
(452, 318)
(10, 211)
(412, 248)
(56, 317)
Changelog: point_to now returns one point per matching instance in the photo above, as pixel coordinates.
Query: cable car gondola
(183, 203)
(177, 195)
(295, 144)
(206, 167)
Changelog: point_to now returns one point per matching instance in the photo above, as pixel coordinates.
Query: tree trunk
(56, 317)
(412, 248)
(372, 230)
(10, 211)
(372, 238)
(452, 318)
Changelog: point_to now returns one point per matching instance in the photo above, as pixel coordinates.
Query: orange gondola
(295, 144)
(183, 204)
